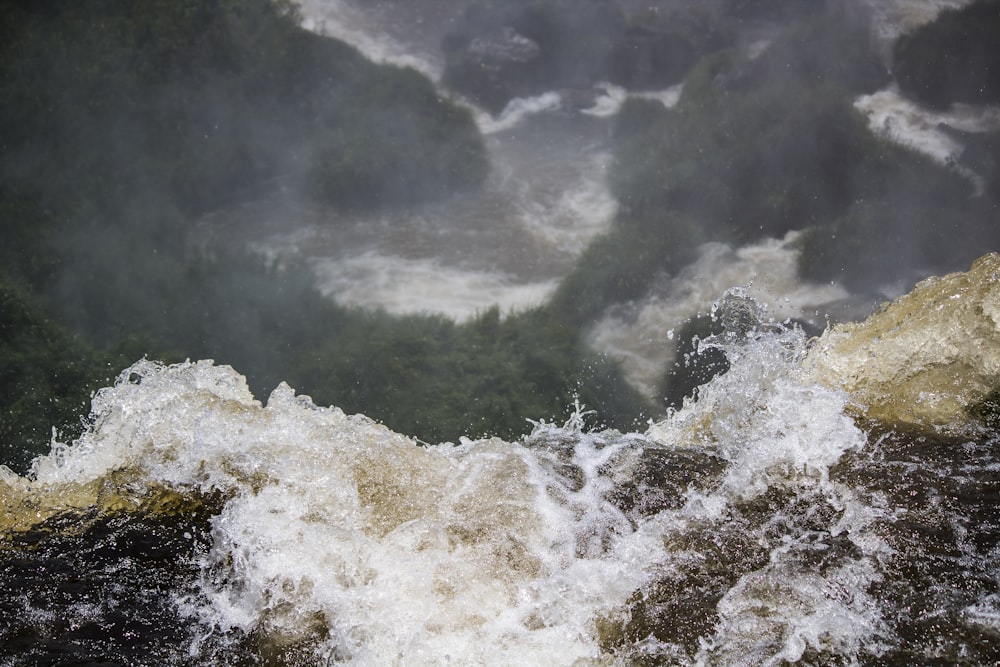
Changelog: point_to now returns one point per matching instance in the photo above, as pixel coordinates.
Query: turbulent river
(772, 521)
(827, 501)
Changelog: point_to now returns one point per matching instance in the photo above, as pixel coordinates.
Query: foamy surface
(486, 552)
(904, 121)
(759, 525)
(422, 286)
(641, 336)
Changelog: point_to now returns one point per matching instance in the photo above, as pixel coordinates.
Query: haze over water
(547, 198)
(828, 500)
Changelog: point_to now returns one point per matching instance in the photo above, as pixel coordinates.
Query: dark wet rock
(661, 477)
(112, 580)
(699, 358)
(695, 363)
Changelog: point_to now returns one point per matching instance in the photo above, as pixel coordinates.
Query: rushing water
(827, 501)
(506, 244)
(772, 521)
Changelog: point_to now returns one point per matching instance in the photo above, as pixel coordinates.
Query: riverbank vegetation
(759, 146)
(123, 123)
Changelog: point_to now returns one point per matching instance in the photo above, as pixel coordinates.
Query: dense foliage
(123, 122)
(46, 376)
(430, 377)
(206, 101)
(761, 146)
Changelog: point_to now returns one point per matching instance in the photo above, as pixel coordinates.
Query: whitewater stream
(827, 501)
(772, 522)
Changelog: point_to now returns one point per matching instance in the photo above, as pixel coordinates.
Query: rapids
(507, 244)
(827, 501)
(768, 522)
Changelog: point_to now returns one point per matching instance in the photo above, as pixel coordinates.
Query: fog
(544, 332)
(457, 215)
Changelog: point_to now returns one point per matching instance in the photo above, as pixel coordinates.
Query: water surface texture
(828, 498)
(772, 521)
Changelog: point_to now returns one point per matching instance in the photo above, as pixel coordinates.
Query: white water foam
(895, 117)
(985, 613)
(516, 111)
(892, 18)
(611, 98)
(668, 98)
(641, 338)
(376, 551)
(762, 415)
(773, 615)
(568, 219)
(403, 286)
(480, 553)
(341, 20)
(608, 103)
(778, 430)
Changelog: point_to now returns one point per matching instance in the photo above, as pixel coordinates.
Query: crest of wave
(350, 541)
(339, 535)
(779, 430)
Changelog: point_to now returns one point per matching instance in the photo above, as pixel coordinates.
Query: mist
(456, 216)
(544, 332)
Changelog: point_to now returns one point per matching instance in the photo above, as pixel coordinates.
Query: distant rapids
(826, 501)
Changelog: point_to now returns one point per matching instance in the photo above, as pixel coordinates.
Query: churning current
(773, 521)
(828, 500)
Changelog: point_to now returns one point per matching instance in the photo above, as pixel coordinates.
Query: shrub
(206, 101)
(46, 379)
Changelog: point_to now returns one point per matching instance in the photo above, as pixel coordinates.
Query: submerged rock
(925, 358)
